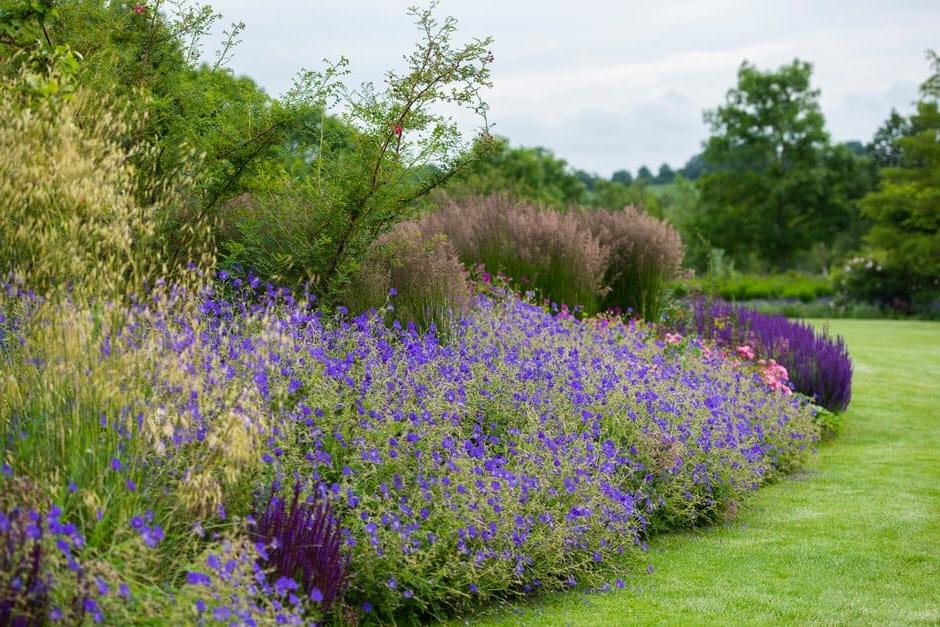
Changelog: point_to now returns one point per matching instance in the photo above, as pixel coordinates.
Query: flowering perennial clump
(30, 544)
(303, 540)
(818, 365)
(521, 454)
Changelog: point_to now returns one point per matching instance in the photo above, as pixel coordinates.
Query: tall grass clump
(544, 250)
(82, 211)
(644, 255)
(819, 365)
(421, 274)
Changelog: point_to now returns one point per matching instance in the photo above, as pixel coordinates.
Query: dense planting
(592, 259)
(525, 453)
(818, 365)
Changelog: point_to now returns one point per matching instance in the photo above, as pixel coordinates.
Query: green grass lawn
(854, 538)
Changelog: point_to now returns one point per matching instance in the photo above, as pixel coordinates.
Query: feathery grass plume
(644, 254)
(428, 282)
(82, 211)
(545, 250)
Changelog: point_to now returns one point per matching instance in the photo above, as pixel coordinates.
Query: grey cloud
(607, 84)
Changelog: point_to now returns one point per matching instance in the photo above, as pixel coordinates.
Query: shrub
(428, 281)
(746, 287)
(645, 253)
(819, 366)
(867, 280)
(397, 144)
(545, 250)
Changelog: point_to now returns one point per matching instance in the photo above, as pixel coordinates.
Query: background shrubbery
(743, 287)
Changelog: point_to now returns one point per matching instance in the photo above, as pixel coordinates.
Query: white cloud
(609, 84)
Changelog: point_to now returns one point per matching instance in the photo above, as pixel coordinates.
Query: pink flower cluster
(673, 338)
(775, 376)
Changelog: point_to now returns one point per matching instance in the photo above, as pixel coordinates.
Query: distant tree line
(771, 191)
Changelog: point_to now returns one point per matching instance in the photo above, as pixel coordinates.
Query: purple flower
(284, 585)
(195, 578)
(303, 535)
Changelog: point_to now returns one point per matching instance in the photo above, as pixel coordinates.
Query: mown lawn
(853, 538)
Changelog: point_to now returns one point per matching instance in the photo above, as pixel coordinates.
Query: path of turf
(853, 538)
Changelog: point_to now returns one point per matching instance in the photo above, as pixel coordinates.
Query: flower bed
(528, 452)
(818, 365)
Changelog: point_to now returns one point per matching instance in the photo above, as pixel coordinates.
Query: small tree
(397, 149)
(768, 190)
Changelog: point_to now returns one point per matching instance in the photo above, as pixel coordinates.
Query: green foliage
(775, 185)
(613, 195)
(905, 209)
(738, 287)
(535, 175)
(395, 148)
(694, 167)
(891, 290)
(623, 177)
(884, 148)
(665, 175)
(525, 174)
(200, 121)
(356, 175)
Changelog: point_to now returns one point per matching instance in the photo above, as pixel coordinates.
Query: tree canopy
(905, 209)
(774, 184)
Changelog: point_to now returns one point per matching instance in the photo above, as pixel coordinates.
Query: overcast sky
(609, 85)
